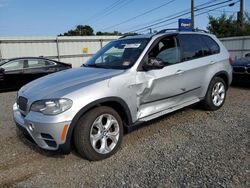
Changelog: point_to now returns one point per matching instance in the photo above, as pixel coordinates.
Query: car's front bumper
(49, 136)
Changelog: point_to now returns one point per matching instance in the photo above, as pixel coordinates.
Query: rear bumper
(47, 136)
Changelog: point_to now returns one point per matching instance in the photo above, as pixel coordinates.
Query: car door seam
(172, 96)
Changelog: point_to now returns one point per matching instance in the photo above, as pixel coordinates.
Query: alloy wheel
(104, 133)
(218, 93)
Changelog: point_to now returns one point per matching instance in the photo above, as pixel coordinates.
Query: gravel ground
(188, 148)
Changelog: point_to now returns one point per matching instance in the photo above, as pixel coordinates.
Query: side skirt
(171, 109)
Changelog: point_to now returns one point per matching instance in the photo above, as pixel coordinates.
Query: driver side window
(166, 50)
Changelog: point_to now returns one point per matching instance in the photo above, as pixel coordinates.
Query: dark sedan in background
(16, 72)
(241, 69)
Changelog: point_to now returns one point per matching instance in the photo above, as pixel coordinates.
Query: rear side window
(211, 44)
(49, 63)
(35, 63)
(196, 46)
(191, 47)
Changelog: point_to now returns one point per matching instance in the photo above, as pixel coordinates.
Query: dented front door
(160, 89)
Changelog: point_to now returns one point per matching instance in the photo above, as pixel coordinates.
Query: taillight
(230, 61)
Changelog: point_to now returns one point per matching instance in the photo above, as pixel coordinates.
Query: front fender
(66, 147)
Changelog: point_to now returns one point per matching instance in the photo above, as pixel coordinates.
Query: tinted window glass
(191, 46)
(211, 44)
(33, 63)
(49, 63)
(13, 65)
(166, 50)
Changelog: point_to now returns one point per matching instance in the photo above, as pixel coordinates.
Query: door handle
(179, 72)
(212, 62)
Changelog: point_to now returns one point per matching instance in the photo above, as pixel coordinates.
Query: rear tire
(98, 134)
(216, 94)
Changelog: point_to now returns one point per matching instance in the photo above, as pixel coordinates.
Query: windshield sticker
(126, 63)
(136, 45)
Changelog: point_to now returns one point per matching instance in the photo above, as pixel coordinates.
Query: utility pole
(241, 15)
(192, 13)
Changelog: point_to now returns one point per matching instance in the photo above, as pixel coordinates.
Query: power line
(140, 15)
(108, 8)
(186, 10)
(183, 14)
(215, 4)
(164, 25)
(125, 2)
(222, 11)
(111, 6)
(209, 10)
(206, 3)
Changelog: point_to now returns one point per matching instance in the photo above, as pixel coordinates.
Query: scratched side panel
(123, 86)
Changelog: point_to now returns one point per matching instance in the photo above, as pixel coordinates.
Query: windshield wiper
(83, 65)
(93, 65)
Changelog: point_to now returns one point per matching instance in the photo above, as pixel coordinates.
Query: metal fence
(74, 50)
(77, 50)
(237, 46)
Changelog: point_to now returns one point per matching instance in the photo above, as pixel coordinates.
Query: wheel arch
(207, 100)
(223, 75)
(116, 103)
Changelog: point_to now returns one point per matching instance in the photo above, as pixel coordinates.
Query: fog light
(31, 126)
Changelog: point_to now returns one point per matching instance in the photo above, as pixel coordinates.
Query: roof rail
(177, 29)
(170, 29)
(127, 35)
(200, 30)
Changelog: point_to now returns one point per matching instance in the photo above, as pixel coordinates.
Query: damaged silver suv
(131, 80)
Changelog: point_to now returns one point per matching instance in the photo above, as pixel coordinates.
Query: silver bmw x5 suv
(131, 80)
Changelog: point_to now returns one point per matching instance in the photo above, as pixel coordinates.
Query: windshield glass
(119, 54)
(3, 61)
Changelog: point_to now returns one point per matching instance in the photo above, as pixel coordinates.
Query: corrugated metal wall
(74, 50)
(237, 46)
(77, 50)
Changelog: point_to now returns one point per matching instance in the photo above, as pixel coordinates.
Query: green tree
(80, 30)
(224, 26)
(116, 33)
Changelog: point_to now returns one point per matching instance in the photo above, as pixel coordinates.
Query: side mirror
(247, 55)
(153, 63)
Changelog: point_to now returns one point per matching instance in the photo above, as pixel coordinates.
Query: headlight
(51, 106)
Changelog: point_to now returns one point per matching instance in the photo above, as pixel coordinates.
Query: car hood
(242, 62)
(64, 82)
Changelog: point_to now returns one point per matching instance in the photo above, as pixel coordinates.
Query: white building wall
(65, 49)
(70, 49)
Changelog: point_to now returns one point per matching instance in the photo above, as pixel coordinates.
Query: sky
(52, 17)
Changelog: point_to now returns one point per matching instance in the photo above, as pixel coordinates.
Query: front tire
(216, 94)
(98, 134)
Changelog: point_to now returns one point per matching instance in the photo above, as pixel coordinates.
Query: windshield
(3, 61)
(119, 54)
